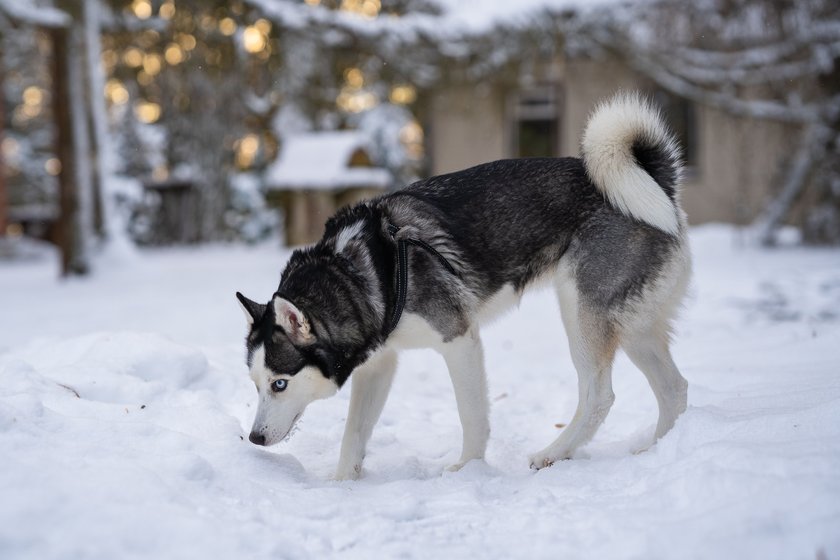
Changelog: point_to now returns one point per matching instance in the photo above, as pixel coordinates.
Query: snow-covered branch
(27, 12)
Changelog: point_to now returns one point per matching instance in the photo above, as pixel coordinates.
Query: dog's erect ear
(253, 310)
(293, 321)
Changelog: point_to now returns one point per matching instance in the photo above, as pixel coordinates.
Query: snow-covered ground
(125, 408)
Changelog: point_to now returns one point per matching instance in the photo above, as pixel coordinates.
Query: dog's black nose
(256, 438)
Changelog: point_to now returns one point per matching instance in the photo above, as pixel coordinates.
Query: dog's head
(287, 365)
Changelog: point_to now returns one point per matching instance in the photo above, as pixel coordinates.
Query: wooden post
(4, 197)
(68, 196)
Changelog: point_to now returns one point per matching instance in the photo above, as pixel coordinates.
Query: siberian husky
(426, 265)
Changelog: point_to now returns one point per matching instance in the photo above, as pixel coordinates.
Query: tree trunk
(70, 231)
(97, 112)
(811, 150)
(4, 198)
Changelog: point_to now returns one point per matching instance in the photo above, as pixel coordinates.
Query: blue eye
(279, 385)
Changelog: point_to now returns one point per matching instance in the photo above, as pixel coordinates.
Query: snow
(149, 459)
(320, 160)
(35, 13)
(478, 16)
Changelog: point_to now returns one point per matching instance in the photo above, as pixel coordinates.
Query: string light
(403, 95)
(152, 64)
(253, 39)
(167, 10)
(354, 77)
(52, 166)
(227, 26)
(147, 112)
(411, 137)
(142, 8)
(246, 150)
(133, 57)
(365, 8)
(116, 92)
(173, 54)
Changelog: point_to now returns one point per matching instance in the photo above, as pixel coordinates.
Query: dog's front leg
(465, 359)
(370, 386)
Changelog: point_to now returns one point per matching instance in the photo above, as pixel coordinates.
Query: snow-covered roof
(480, 15)
(321, 160)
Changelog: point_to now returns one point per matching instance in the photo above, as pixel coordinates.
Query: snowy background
(125, 407)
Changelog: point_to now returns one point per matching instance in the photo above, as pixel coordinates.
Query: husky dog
(427, 265)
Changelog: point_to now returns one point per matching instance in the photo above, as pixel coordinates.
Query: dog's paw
(544, 459)
(461, 464)
(456, 467)
(539, 462)
(352, 472)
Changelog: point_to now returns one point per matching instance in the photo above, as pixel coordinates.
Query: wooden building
(317, 173)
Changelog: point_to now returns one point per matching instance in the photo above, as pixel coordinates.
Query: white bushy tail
(634, 160)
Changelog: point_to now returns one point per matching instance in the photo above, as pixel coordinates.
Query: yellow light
(403, 95)
(253, 39)
(174, 54)
(354, 77)
(263, 25)
(147, 112)
(152, 64)
(53, 166)
(411, 136)
(167, 10)
(142, 8)
(355, 101)
(370, 8)
(33, 96)
(30, 111)
(227, 26)
(116, 92)
(144, 79)
(365, 8)
(246, 150)
(133, 57)
(186, 41)
(313, 2)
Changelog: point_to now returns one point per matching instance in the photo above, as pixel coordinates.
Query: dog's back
(612, 216)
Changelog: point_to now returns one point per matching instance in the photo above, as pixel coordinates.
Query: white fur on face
(277, 413)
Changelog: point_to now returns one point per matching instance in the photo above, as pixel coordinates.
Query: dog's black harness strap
(402, 273)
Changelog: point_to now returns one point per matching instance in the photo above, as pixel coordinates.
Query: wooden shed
(317, 173)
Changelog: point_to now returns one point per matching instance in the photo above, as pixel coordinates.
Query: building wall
(738, 161)
(467, 127)
(738, 167)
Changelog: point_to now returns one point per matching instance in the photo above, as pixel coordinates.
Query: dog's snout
(256, 438)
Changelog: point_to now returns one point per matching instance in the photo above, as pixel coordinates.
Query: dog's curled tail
(634, 160)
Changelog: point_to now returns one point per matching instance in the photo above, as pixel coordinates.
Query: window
(536, 122)
(681, 116)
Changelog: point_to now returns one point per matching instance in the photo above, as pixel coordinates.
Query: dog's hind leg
(371, 383)
(649, 351)
(592, 342)
(465, 359)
